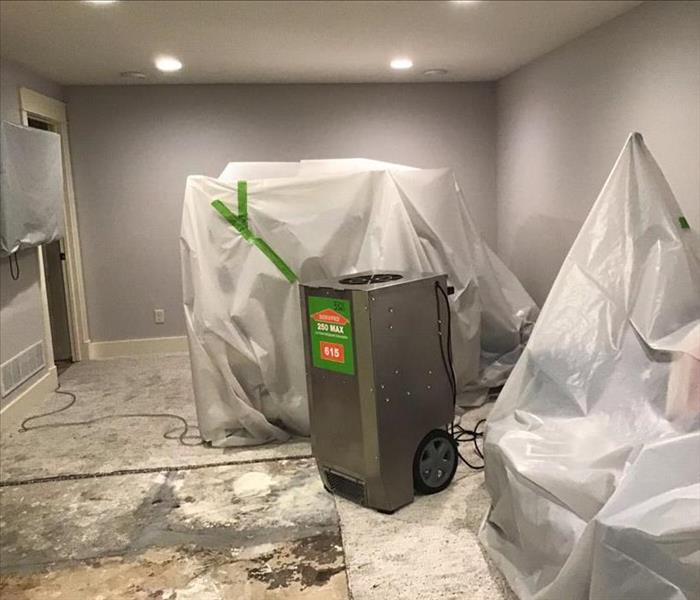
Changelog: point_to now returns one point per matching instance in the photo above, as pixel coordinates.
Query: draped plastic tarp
(593, 447)
(339, 217)
(31, 188)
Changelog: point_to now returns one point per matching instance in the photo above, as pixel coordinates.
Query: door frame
(52, 111)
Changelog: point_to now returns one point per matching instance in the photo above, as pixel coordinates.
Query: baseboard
(33, 390)
(164, 345)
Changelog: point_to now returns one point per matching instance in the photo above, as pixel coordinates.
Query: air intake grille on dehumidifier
(21, 367)
(348, 488)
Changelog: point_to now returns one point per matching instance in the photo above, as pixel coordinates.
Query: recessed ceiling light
(100, 1)
(435, 72)
(133, 74)
(168, 64)
(401, 63)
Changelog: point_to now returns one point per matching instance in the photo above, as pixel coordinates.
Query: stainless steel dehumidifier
(379, 384)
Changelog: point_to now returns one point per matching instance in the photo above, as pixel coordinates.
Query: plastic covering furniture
(593, 447)
(322, 219)
(31, 188)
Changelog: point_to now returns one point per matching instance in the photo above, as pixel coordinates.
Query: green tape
(243, 200)
(224, 211)
(240, 223)
(275, 258)
(684, 223)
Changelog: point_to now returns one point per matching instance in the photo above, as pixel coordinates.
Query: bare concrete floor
(115, 511)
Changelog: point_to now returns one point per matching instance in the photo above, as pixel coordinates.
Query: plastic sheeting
(593, 447)
(31, 188)
(339, 217)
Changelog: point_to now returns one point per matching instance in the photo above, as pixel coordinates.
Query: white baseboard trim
(164, 345)
(35, 389)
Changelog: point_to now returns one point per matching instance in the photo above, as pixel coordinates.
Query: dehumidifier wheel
(435, 462)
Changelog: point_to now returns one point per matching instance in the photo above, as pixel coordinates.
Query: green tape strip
(224, 211)
(275, 258)
(683, 222)
(243, 200)
(240, 223)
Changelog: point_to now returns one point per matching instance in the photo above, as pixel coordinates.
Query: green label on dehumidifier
(331, 334)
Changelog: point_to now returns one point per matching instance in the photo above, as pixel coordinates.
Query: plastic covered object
(593, 447)
(242, 312)
(235, 171)
(31, 188)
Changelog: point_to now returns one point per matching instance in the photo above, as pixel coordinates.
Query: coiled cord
(170, 434)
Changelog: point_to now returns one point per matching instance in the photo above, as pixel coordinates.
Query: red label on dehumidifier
(330, 316)
(332, 352)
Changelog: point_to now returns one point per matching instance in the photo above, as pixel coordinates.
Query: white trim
(48, 339)
(164, 345)
(38, 104)
(35, 389)
(33, 103)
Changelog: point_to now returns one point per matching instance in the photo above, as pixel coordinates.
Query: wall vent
(21, 367)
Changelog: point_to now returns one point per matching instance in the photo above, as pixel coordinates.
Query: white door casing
(54, 111)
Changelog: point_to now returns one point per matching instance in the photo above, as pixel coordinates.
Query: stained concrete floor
(115, 511)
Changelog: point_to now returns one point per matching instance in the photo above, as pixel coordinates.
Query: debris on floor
(115, 512)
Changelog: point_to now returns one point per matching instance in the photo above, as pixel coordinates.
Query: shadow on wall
(28, 273)
(542, 241)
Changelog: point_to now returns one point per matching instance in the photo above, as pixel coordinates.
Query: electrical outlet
(159, 315)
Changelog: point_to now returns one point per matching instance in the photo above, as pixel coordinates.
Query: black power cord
(170, 434)
(14, 268)
(459, 434)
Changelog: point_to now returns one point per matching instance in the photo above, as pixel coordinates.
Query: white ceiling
(74, 42)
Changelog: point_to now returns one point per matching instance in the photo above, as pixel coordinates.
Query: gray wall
(134, 146)
(21, 316)
(561, 122)
(564, 118)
